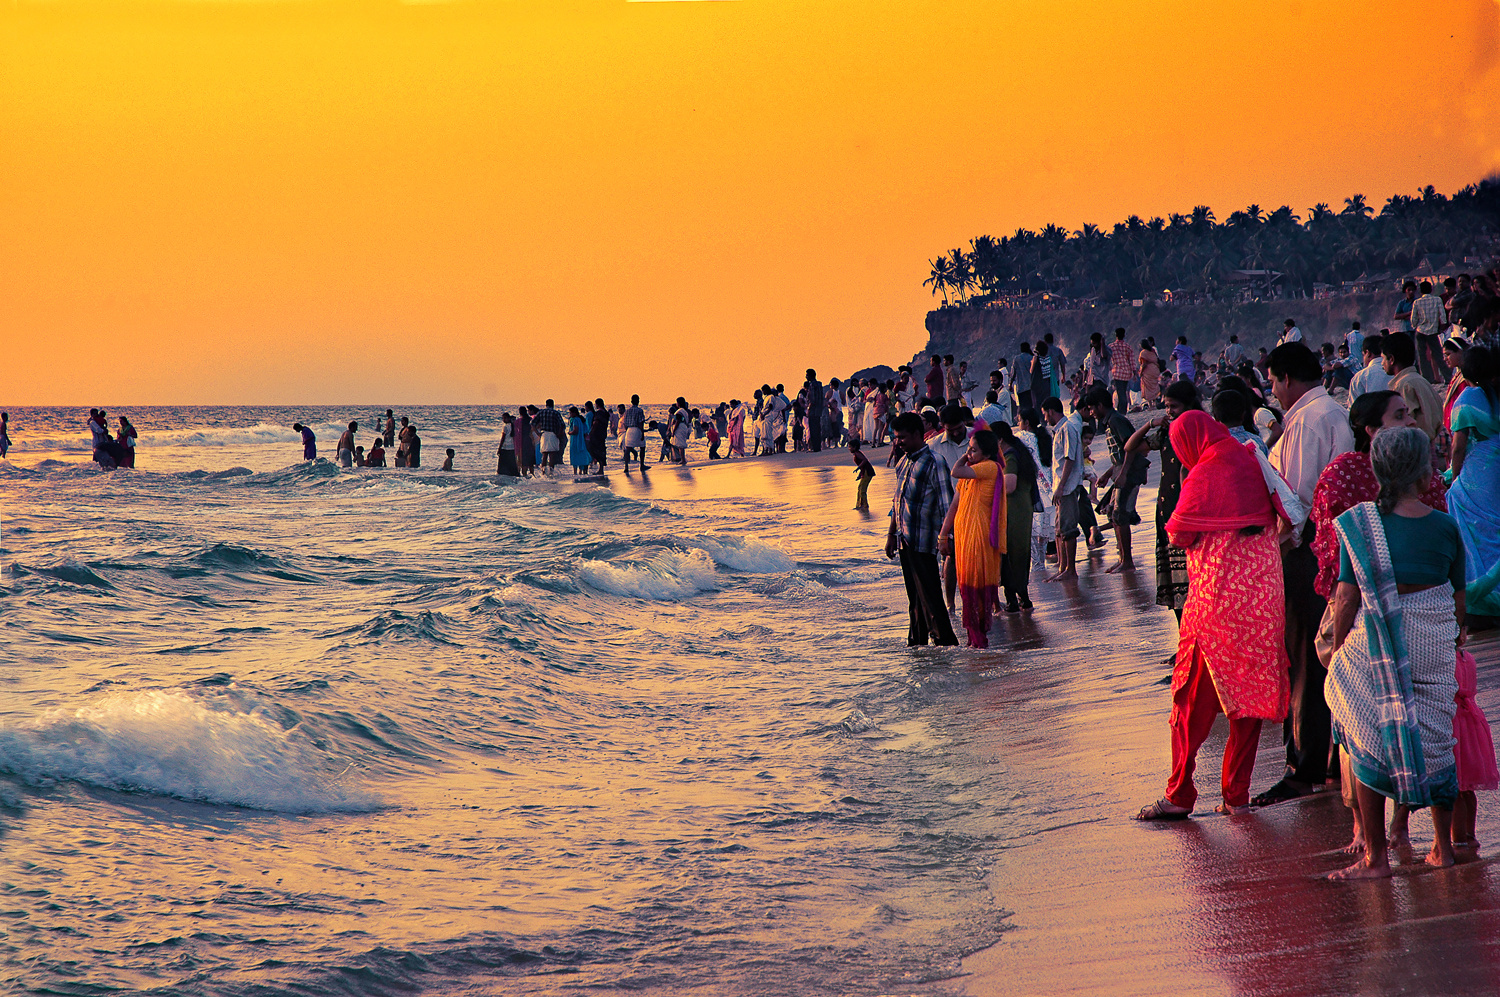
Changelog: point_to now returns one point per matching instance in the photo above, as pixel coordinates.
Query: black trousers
(924, 595)
(1015, 575)
(1308, 728)
(1023, 401)
(1122, 395)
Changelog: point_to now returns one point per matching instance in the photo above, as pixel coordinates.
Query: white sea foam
(172, 744)
(666, 575)
(744, 553)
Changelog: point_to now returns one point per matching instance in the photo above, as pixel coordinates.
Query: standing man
(346, 445)
(933, 381)
(953, 385)
(550, 421)
(633, 430)
(1121, 370)
(1399, 357)
(1067, 478)
(1020, 376)
(1427, 320)
(390, 428)
(814, 411)
(1316, 431)
(1127, 471)
(950, 445)
(1401, 321)
(1234, 353)
(924, 488)
(1355, 341)
(309, 441)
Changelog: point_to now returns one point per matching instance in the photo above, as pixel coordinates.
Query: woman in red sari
(1231, 655)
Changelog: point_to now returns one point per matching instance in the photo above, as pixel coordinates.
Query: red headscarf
(1223, 487)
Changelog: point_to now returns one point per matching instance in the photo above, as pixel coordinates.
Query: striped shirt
(924, 488)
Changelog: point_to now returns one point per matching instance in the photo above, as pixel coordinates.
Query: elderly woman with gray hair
(1398, 619)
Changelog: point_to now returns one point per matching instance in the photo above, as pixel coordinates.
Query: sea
(270, 726)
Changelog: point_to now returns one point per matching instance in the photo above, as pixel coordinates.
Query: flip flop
(1159, 811)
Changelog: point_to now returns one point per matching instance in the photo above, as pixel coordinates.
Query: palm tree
(1357, 207)
(942, 273)
(960, 273)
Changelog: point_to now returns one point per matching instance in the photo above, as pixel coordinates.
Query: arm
(1065, 469)
(962, 470)
(1138, 438)
(1345, 603)
(1460, 446)
(945, 535)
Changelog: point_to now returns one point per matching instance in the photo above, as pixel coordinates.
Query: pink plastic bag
(1475, 751)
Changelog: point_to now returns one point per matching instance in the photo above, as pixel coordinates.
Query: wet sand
(1214, 905)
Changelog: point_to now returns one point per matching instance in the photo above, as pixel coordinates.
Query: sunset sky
(503, 200)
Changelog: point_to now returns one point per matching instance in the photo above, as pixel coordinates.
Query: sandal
(1159, 811)
(1279, 793)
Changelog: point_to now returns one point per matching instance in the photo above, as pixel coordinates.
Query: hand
(1160, 421)
(890, 547)
(1463, 636)
(945, 546)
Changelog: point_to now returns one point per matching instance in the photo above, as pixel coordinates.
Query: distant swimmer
(309, 441)
(346, 445)
(390, 428)
(4, 434)
(448, 462)
(376, 456)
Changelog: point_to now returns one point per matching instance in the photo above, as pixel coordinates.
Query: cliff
(984, 335)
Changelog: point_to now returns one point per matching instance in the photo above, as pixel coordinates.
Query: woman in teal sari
(578, 441)
(1397, 623)
(1474, 494)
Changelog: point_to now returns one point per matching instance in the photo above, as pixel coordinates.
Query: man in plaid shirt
(1121, 370)
(1427, 321)
(924, 488)
(550, 420)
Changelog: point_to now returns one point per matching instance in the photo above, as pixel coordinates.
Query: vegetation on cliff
(1196, 253)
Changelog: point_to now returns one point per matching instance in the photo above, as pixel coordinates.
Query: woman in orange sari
(974, 533)
(1231, 652)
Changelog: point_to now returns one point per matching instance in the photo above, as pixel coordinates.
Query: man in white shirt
(1289, 333)
(1372, 376)
(1067, 479)
(1316, 431)
(992, 412)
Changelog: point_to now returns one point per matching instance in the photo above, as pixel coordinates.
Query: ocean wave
(666, 575)
(66, 570)
(171, 743)
(743, 553)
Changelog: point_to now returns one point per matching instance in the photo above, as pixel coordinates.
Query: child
(359, 457)
(666, 439)
(448, 464)
(376, 456)
(1474, 752)
(864, 471)
(713, 441)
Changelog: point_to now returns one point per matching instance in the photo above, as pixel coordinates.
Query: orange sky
(498, 200)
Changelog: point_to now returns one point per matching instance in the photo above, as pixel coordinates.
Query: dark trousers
(1122, 395)
(1015, 575)
(1307, 728)
(924, 595)
(814, 434)
(1430, 358)
(1023, 401)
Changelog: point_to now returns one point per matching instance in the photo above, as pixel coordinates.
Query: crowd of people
(1322, 550)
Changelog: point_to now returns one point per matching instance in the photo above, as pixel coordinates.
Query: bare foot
(1228, 811)
(1066, 576)
(1355, 847)
(1120, 566)
(1363, 870)
(1398, 839)
(1440, 858)
(1469, 842)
